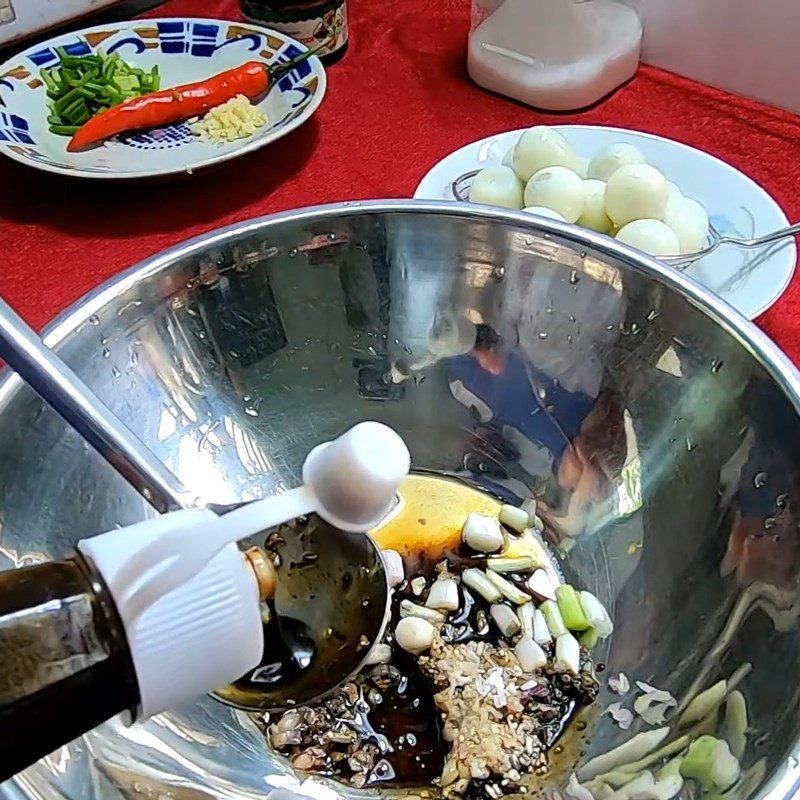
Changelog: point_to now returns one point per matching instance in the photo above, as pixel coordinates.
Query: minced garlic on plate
(237, 118)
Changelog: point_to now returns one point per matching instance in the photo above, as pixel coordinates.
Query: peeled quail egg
(544, 212)
(496, 186)
(508, 158)
(636, 191)
(650, 235)
(605, 164)
(558, 188)
(582, 166)
(594, 207)
(674, 192)
(689, 220)
(541, 147)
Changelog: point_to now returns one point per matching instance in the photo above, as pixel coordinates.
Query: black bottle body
(320, 25)
(64, 660)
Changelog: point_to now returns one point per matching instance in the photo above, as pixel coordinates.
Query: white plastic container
(557, 55)
(20, 19)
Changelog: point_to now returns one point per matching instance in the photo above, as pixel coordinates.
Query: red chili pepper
(167, 106)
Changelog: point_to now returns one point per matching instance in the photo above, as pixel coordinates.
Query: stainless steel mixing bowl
(658, 429)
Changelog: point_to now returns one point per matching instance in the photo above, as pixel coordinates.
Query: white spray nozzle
(350, 482)
(354, 478)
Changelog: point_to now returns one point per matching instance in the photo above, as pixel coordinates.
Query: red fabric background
(397, 102)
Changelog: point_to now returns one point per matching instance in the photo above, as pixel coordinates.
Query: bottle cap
(201, 635)
(355, 477)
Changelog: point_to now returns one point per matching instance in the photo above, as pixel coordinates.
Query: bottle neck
(65, 666)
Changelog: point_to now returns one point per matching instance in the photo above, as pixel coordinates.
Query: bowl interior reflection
(332, 591)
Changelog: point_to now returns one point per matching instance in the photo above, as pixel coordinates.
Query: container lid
(201, 635)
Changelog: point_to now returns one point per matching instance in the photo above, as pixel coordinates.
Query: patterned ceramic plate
(750, 281)
(185, 50)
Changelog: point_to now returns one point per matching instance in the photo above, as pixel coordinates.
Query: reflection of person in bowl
(533, 413)
(760, 488)
(564, 322)
(598, 451)
(755, 554)
(528, 417)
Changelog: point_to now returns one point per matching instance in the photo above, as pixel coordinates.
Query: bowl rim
(785, 782)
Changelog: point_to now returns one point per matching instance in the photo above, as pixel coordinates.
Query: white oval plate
(185, 50)
(750, 281)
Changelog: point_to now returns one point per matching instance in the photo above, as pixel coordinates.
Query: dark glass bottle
(315, 23)
(65, 666)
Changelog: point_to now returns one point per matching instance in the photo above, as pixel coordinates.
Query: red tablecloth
(397, 103)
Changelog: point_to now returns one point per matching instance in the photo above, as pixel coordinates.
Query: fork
(460, 189)
(684, 261)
